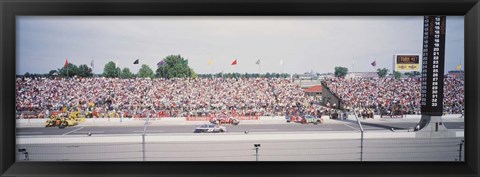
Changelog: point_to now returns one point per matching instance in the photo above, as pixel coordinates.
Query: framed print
(152, 88)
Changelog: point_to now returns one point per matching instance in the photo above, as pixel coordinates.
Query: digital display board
(433, 59)
(407, 62)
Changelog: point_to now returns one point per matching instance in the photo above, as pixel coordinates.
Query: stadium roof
(314, 89)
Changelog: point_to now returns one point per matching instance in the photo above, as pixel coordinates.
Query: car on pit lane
(210, 128)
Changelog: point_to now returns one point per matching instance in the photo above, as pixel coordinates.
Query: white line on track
(351, 127)
(159, 131)
(28, 133)
(262, 129)
(319, 129)
(90, 132)
(72, 131)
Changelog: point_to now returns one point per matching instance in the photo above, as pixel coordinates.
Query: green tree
(119, 72)
(52, 73)
(84, 71)
(110, 70)
(397, 75)
(382, 72)
(413, 73)
(341, 71)
(126, 73)
(69, 71)
(193, 74)
(175, 66)
(145, 71)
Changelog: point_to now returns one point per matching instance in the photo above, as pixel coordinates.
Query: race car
(294, 118)
(62, 121)
(210, 128)
(224, 119)
(311, 119)
(306, 119)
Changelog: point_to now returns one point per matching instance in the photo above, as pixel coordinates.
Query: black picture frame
(11, 8)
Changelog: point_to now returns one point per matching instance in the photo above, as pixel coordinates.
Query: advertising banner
(197, 118)
(208, 118)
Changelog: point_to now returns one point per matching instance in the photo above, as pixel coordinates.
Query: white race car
(210, 128)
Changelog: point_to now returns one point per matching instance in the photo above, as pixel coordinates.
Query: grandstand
(252, 96)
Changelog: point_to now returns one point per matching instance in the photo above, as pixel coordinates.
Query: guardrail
(399, 149)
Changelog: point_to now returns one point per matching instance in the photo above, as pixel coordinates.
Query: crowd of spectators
(170, 97)
(396, 96)
(207, 96)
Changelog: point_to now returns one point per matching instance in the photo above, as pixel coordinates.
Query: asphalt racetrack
(287, 127)
(336, 140)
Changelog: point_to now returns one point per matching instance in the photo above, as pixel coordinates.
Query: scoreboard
(433, 58)
(405, 62)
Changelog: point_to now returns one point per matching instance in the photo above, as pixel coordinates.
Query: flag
(66, 63)
(458, 67)
(374, 63)
(136, 61)
(258, 62)
(281, 62)
(91, 63)
(161, 63)
(210, 62)
(234, 62)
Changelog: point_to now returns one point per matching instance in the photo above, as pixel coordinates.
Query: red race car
(224, 119)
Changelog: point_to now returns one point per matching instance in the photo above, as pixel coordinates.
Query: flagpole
(116, 65)
(93, 68)
(461, 63)
(353, 65)
(259, 67)
(118, 72)
(281, 64)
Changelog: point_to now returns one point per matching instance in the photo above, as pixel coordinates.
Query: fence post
(24, 152)
(460, 150)
(143, 138)
(361, 148)
(256, 151)
(361, 134)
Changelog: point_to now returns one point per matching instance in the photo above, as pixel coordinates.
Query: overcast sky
(303, 43)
